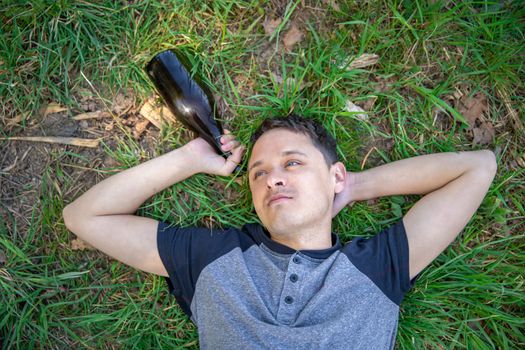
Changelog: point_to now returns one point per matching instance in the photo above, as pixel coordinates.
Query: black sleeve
(185, 252)
(384, 259)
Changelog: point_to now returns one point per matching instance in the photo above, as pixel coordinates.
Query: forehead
(277, 141)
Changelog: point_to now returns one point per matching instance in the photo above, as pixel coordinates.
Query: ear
(339, 173)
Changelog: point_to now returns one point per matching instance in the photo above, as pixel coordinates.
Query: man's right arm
(104, 215)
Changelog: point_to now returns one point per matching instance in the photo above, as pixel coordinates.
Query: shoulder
(384, 259)
(187, 251)
(203, 240)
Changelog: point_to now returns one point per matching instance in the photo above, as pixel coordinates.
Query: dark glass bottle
(188, 100)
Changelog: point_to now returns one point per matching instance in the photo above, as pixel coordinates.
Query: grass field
(447, 75)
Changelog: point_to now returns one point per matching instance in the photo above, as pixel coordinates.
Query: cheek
(317, 186)
(256, 194)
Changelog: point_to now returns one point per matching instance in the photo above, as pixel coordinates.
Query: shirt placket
(290, 295)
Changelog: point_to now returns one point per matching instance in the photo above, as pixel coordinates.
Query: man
(289, 283)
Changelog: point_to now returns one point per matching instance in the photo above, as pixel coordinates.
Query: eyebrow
(285, 153)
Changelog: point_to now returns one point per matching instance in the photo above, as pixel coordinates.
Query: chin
(292, 219)
(287, 225)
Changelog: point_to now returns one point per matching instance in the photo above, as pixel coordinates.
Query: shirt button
(296, 260)
(294, 277)
(288, 300)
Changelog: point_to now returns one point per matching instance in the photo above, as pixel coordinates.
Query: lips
(276, 198)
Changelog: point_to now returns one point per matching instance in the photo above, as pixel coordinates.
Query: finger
(227, 138)
(230, 145)
(237, 154)
(233, 160)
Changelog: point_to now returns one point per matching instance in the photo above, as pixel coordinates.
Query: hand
(345, 197)
(208, 161)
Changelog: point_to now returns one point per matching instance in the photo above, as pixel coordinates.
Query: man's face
(291, 184)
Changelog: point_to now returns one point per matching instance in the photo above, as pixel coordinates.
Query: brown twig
(74, 141)
(366, 157)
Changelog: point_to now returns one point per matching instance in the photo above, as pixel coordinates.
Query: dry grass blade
(73, 141)
(91, 115)
(54, 108)
(365, 60)
(514, 115)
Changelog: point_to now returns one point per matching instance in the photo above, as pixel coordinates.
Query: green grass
(472, 295)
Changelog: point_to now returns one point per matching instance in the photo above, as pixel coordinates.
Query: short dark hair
(320, 137)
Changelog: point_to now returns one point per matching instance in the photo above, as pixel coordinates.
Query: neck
(313, 239)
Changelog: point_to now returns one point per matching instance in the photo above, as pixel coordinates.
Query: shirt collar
(262, 236)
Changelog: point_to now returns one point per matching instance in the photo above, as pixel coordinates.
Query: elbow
(67, 216)
(70, 216)
(492, 162)
(489, 163)
(77, 218)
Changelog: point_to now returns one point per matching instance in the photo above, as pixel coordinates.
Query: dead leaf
(54, 108)
(353, 108)
(17, 119)
(292, 37)
(123, 102)
(156, 115)
(442, 119)
(166, 114)
(110, 162)
(92, 115)
(78, 244)
(369, 103)
(484, 134)
(270, 25)
(246, 83)
(364, 60)
(140, 126)
(472, 108)
(88, 101)
(129, 120)
(384, 84)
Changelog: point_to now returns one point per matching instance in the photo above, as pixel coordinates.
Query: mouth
(278, 198)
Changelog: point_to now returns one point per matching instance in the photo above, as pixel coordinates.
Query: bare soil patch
(24, 165)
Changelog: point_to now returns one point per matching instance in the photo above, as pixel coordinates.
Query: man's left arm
(454, 185)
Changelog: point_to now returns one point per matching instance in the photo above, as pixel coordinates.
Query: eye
(292, 163)
(258, 173)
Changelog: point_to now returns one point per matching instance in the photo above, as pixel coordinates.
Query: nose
(275, 179)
